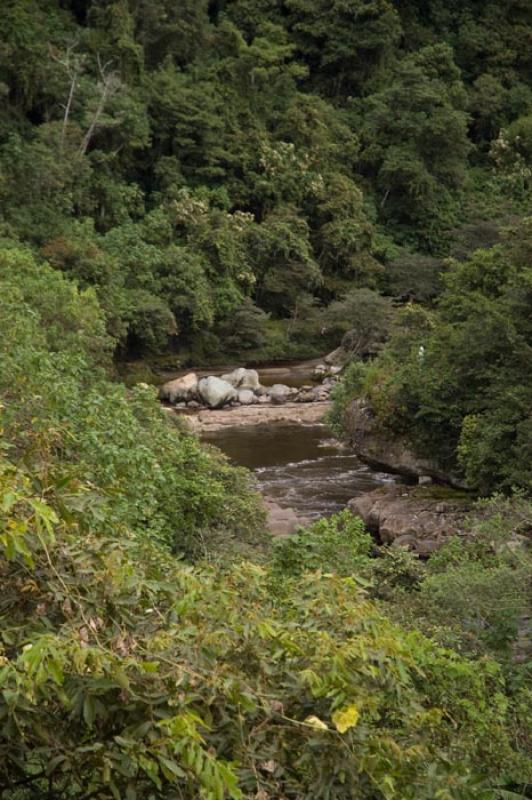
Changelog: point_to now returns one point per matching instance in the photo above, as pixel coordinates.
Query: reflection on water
(301, 467)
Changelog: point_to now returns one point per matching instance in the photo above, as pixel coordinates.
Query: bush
(125, 673)
(338, 544)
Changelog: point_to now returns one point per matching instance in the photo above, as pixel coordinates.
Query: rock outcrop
(384, 451)
(413, 517)
(282, 521)
(338, 357)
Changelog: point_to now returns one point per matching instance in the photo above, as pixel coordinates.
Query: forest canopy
(198, 163)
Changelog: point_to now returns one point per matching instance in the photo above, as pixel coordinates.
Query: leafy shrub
(124, 673)
(338, 544)
(457, 382)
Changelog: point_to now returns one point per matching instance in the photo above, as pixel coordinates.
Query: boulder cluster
(238, 388)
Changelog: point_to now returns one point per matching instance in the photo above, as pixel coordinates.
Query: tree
(415, 139)
(346, 43)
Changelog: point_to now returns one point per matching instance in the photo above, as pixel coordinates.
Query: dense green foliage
(127, 673)
(63, 417)
(457, 381)
(205, 164)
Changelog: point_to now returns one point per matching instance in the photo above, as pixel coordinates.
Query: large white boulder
(243, 379)
(215, 392)
(184, 388)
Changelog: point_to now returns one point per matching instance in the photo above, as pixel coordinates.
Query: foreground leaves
(124, 673)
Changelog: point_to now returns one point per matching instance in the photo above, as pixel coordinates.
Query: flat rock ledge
(412, 517)
(207, 420)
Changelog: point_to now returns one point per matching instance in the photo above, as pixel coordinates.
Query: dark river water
(300, 466)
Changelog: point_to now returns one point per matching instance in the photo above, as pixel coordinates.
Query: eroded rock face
(412, 517)
(180, 389)
(337, 358)
(282, 521)
(383, 451)
(216, 392)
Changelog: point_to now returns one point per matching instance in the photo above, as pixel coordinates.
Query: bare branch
(109, 85)
(71, 62)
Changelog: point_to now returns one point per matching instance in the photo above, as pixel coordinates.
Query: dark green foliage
(458, 382)
(346, 44)
(415, 140)
(184, 159)
(362, 320)
(251, 177)
(124, 673)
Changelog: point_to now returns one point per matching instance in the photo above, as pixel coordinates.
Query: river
(299, 466)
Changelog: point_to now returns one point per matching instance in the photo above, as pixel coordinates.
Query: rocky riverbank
(382, 450)
(281, 521)
(238, 398)
(420, 518)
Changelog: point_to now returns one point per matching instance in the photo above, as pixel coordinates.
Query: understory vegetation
(200, 180)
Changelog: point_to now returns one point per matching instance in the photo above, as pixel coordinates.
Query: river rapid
(299, 466)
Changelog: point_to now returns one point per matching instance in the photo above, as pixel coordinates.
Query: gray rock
(251, 380)
(193, 404)
(279, 393)
(183, 388)
(243, 378)
(264, 398)
(306, 397)
(216, 392)
(412, 517)
(246, 397)
(424, 480)
(337, 358)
